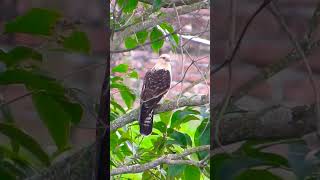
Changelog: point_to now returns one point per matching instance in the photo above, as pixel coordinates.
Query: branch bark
(133, 115)
(167, 159)
(271, 123)
(158, 20)
(166, 3)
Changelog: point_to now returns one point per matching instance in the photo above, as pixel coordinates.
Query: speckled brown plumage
(156, 84)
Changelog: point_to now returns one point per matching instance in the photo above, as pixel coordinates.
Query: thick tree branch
(166, 159)
(158, 20)
(133, 115)
(270, 123)
(166, 3)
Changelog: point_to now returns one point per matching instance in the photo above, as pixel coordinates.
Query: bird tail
(146, 119)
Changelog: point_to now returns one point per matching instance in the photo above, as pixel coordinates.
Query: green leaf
(174, 37)
(156, 4)
(115, 79)
(128, 5)
(249, 149)
(142, 36)
(161, 126)
(26, 141)
(31, 79)
(182, 116)
(155, 36)
(36, 21)
(7, 175)
(77, 41)
(15, 157)
(175, 170)
(12, 169)
(130, 42)
(128, 98)
(146, 175)
(180, 138)
(191, 173)
(117, 106)
(217, 160)
(54, 116)
(202, 136)
(18, 54)
(165, 117)
(73, 109)
(134, 75)
(229, 168)
(122, 68)
(256, 174)
(301, 166)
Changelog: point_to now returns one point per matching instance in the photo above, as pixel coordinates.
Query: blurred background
(194, 26)
(274, 98)
(84, 72)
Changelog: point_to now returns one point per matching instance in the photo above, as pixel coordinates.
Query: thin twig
(279, 17)
(235, 50)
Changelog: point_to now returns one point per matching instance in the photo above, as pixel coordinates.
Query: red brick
(262, 53)
(26, 39)
(98, 40)
(240, 77)
(299, 91)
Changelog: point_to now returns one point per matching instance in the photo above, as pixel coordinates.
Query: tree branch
(271, 123)
(158, 20)
(277, 122)
(132, 115)
(166, 3)
(167, 159)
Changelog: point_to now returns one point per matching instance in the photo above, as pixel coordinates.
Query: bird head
(165, 57)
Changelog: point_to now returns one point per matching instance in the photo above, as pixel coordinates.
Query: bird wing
(155, 84)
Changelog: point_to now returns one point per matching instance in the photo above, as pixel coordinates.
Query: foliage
(156, 35)
(173, 132)
(251, 161)
(57, 110)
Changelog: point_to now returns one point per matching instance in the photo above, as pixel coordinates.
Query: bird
(156, 85)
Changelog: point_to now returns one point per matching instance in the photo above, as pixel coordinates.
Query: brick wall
(266, 43)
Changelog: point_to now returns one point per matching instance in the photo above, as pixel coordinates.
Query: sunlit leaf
(122, 68)
(191, 173)
(165, 117)
(130, 42)
(128, 5)
(176, 170)
(202, 136)
(142, 36)
(134, 75)
(117, 106)
(180, 138)
(155, 38)
(161, 126)
(182, 116)
(174, 37)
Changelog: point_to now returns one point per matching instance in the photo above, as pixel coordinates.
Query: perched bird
(156, 84)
